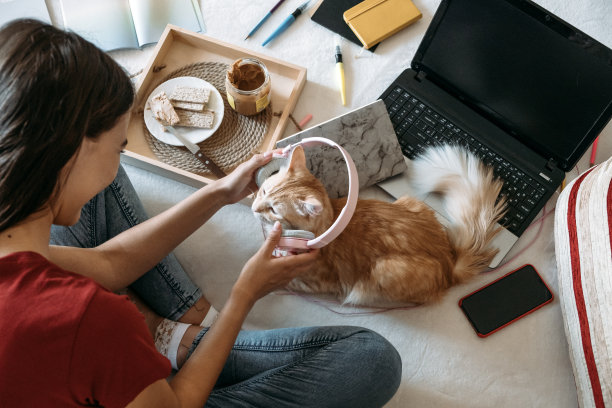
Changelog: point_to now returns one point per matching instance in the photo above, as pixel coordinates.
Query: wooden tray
(177, 48)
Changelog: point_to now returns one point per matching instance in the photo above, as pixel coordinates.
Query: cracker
(163, 110)
(189, 94)
(196, 119)
(190, 106)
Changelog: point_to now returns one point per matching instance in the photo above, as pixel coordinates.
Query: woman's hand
(241, 182)
(264, 273)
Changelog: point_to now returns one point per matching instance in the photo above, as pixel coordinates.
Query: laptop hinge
(551, 164)
(420, 76)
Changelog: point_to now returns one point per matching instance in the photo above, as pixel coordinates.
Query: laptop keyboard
(418, 126)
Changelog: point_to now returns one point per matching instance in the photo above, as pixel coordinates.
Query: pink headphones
(296, 241)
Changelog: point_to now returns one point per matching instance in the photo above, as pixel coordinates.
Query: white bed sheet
(444, 363)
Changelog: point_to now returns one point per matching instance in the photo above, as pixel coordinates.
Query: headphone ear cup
(269, 169)
(293, 242)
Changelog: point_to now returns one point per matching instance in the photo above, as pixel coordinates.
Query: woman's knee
(378, 364)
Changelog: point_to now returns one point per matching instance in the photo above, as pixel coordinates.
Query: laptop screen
(540, 79)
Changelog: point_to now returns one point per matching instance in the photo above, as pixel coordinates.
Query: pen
(288, 21)
(340, 72)
(593, 152)
(263, 20)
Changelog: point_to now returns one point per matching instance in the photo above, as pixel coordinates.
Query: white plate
(195, 135)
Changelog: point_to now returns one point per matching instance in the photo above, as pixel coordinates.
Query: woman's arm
(121, 260)
(193, 383)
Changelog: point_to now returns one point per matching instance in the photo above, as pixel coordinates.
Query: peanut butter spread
(246, 77)
(163, 110)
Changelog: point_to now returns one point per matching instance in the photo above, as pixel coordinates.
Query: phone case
(374, 20)
(518, 317)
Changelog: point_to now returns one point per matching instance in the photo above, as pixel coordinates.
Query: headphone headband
(351, 201)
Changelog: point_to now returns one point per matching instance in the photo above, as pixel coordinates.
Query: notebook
(328, 13)
(521, 88)
(374, 20)
(118, 24)
(367, 134)
(13, 9)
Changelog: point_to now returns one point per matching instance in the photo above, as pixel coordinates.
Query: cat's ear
(309, 206)
(298, 160)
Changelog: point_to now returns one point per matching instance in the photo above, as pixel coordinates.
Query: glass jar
(247, 85)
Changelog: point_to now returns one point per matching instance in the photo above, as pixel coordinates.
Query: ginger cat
(391, 253)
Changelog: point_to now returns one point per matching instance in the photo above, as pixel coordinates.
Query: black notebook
(329, 15)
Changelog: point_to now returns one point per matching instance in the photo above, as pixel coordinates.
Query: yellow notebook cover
(374, 20)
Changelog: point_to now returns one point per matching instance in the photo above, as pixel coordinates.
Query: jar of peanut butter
(247, 85)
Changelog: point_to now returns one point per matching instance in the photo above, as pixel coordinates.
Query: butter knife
(197, 152)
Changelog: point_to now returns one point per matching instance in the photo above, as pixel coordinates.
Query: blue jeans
(327, 366)
(318, 367)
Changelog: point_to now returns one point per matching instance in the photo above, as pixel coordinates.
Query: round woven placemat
(236, 140)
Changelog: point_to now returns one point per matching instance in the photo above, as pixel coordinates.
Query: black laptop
(521, 88)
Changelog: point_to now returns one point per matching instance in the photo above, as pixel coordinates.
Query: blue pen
(263, 20)
(287, 22)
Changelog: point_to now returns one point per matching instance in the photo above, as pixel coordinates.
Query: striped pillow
(583, 226)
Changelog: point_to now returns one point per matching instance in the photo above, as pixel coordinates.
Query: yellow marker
(340, 72)
(562, 184)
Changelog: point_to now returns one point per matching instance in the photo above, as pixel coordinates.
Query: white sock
(168, 338)
(210, 317)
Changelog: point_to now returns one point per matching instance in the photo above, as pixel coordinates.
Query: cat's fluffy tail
(470, 191)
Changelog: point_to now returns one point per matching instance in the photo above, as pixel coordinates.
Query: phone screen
(505, 300)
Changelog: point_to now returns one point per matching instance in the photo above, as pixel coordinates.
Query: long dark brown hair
(56, 88)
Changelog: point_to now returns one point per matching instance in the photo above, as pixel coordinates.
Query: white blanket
(444, 363)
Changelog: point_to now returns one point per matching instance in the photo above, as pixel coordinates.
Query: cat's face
(294, 197)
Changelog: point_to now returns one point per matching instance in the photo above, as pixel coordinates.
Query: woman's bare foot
(185, 345)
(196, 313)
(194, 316)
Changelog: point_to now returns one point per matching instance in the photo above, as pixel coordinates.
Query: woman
(68, 340)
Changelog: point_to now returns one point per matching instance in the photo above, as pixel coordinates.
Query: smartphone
(505, 300)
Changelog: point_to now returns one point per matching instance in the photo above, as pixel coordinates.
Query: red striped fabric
(609, 208)
(578, 292)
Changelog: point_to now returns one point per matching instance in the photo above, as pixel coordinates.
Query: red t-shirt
(66, 341)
